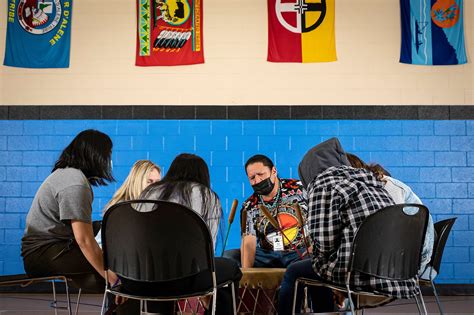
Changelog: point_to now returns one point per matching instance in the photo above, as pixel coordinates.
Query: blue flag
(432, 32)
(38, 33)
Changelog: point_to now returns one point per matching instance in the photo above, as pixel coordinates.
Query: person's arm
(84, 237)
(247, 251)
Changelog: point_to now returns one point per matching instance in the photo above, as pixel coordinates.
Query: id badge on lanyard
(278, 242)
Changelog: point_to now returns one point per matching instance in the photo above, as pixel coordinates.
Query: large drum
(259, 290)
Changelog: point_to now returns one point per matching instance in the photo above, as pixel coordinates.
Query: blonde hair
(135, 182)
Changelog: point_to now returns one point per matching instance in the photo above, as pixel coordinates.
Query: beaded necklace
(274, 205)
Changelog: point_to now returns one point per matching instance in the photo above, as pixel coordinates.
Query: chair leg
(423, 303)
(55, 301)
(234, 308)
(68, 298)
(78, 302)
(294, 297)
(350, 299)
(102, 311)
(418, 304)
(214, 298)
(437, 298)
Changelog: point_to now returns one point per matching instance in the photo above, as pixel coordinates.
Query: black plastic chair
(387, 245)
(162, 244)
(442, 229)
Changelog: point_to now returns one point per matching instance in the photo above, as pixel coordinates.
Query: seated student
(278, 196)
(58, 237)
(142, 174)
(400, 193)
(340, 198)
(187, 182)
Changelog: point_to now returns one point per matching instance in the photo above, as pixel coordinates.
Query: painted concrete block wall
(436, 158)
(235, 34)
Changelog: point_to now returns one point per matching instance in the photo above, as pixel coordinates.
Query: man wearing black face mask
(262, 244)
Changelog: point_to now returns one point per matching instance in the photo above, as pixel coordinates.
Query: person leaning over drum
(263, 245)
(58, 238)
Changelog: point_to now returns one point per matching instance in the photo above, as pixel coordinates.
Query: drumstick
(231, 219)
(243, 227)
(276, 225)
(301, 222)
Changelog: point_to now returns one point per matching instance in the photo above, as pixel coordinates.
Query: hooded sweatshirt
(339, 199)
(326, 154)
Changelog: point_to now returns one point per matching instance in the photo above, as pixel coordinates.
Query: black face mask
(264, 187)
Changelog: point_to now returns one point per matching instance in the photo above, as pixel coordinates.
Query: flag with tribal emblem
(432, 32)
(301, 31)
(38, 33)
(169, 32)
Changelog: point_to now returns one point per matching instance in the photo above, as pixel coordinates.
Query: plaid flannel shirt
(339, 200)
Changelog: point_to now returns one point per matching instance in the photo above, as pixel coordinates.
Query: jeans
(321, 297)
(266, 258)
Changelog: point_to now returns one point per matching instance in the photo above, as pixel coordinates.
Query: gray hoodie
(321, 157)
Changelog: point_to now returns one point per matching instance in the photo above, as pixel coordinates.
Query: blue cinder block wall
(436, 158)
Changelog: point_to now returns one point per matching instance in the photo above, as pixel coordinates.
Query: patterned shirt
(282, 208)
(340, 199)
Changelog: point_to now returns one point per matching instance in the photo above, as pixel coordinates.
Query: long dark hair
(90, 151)
(185, 169)
(377, 169)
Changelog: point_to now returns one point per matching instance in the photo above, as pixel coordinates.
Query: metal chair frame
(24, 280)
(212, 291)
(442, 229)
(347, 289)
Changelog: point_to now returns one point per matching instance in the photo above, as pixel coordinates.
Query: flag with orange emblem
(432, 32)
(301, 31)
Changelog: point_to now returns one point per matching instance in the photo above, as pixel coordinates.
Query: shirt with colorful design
(283, 209)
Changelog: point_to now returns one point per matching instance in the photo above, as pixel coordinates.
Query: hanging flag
(301, 31)
(432, 32)
(169, 32)
(38, 33)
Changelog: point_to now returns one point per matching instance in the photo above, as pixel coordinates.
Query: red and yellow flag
(301, 31)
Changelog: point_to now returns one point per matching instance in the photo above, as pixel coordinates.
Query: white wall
(102, 68)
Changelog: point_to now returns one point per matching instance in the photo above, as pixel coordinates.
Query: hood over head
(321, 157)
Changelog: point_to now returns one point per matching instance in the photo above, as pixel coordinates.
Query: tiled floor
(38, 304)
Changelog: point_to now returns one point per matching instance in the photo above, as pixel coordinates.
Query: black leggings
(64, 258)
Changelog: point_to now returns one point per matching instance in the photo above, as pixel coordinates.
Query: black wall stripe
(237, 112)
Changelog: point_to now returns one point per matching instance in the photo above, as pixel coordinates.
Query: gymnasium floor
(38, 304)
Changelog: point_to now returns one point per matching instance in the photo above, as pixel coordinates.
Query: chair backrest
(167, 241)
(442, 229)
(388, 243)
